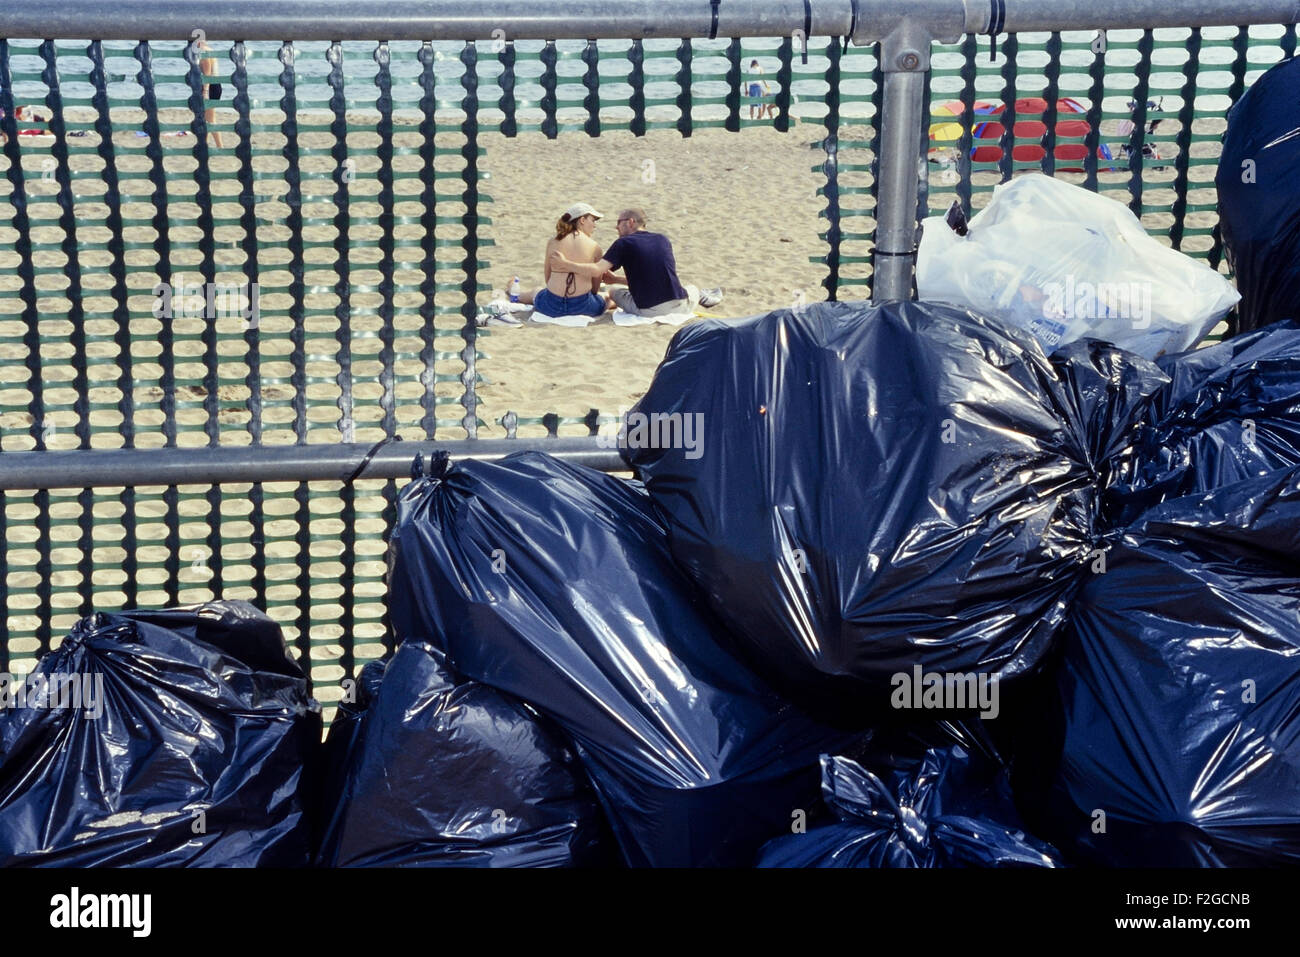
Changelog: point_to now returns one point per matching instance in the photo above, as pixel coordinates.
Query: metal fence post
(900, 132)
(905, 42)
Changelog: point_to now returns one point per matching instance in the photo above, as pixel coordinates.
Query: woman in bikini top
(573, 240)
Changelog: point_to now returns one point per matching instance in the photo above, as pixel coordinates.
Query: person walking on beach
(567, 291)
(211, 91)
(760, 94)
(646, 258)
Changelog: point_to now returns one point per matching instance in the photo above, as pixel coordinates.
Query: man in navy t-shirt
(647, 261)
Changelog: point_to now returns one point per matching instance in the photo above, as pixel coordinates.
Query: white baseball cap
(578, 210)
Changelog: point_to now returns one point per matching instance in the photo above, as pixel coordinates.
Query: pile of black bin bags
(890, 588)
(897, 491)
(179, 738)
(555, 584)
(837, 504)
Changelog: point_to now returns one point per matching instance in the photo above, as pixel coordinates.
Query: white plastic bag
(1065, 264)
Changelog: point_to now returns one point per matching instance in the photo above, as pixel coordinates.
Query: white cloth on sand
(624, 318)
(576, 321)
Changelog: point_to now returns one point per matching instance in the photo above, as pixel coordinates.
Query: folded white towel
(575, 321)
(623, 318)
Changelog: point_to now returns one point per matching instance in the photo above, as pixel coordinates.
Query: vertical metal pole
(900, 157)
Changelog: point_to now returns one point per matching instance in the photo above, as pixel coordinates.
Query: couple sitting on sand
(575, 268)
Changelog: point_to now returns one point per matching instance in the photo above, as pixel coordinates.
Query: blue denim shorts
(549, 304)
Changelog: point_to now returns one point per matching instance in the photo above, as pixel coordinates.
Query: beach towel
(576, 322)
(624, 318)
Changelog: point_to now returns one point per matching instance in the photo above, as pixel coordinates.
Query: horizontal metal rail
(581, 19)
(1024, 16)
(417, 19)
(127, 468)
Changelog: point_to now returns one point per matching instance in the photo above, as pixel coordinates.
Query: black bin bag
(865, 489)
(949, 809)
(1230, 412)
(1259, 197)
(1173, 738)
(1112, 393)
(554, 583)
(340, 756)
(438, 773)
(196, 745)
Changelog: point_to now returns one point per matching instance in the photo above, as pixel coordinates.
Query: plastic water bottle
(513, 291)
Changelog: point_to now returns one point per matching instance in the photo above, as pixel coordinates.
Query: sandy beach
(740, 208)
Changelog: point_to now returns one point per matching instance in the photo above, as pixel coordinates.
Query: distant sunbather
(26, 114)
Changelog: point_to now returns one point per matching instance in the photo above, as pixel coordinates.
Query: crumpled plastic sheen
(872, 488)
(1173, 736)
(202, 755)
(554, 583)
(1229, 412)
(434, 772)
(948, 810)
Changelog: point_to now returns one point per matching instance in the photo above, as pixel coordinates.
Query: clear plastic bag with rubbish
(1066, 264)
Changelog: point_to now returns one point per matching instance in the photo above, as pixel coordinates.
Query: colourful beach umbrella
(948, 131)
(1029, 130)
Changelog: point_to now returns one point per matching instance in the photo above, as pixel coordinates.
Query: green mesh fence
(348, 192)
